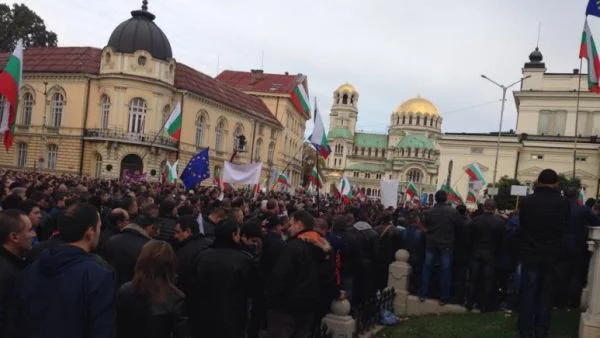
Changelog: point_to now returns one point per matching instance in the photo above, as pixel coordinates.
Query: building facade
(408, 152)
(100, 112)
(275, 92)
(547, 133)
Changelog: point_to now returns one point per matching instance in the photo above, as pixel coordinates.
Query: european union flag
(593, 8)
(197, 170)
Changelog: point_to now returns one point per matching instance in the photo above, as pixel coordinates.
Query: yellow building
(85, 110)
(544, 136)
(408, 152)
(275, 91)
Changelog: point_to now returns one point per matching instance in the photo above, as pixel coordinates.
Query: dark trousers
(459, 281)
(568, 279)
(445, 257)
(481, 283)
(288, 325)
(535, 303)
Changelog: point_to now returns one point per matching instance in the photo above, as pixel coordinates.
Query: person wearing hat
(543, 218)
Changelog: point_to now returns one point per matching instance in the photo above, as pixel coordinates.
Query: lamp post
(504, 89)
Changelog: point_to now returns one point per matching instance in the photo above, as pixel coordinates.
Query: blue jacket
(576, 232)
(66, 293)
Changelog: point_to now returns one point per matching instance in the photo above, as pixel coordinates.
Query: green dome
(416, 142)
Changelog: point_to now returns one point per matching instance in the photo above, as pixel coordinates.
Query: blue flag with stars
(593, 8)
(197, 170)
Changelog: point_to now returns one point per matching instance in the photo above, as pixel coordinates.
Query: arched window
(376, 152)
(219, 135)
(410, 120)
(414, 175)
(22, 155)
(425, 121)
(362, 151)
(200, 122)
(52, 155)
(368, 191)
(403, 119)
(165, 114)
(418, 120)
(104, 111)
(431, 122)
(409, 149)
(271, 152)
(402, 152)
(27, 109)
(258, 150)
(398, 120)
(383, 153)
(369, 151)
(137, 115)
(417, 152)
(345, 99)
(58, 104)
(429, 154)
(355, 150)
(98, 166)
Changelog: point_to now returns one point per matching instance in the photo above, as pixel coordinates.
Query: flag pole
(577, 117)
(317, 164)
(287, 166)
(154, 140)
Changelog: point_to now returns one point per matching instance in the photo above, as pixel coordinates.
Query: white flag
(242, 173)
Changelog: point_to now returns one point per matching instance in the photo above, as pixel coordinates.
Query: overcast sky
(391, 50)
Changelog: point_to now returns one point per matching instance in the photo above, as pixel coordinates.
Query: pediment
(580, 173)
(531, 171)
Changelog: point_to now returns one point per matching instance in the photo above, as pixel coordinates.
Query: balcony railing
(123, 136)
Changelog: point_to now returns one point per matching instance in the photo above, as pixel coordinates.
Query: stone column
(589, 324)
(398, 274)
(339, 322)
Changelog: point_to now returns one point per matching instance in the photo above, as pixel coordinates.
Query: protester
(190, 242)
(68, 292)
(150, 305)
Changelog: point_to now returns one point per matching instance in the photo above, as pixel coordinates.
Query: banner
(133, 176)
(389, 193)
(242, 173)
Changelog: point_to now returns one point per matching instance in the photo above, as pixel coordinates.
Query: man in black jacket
(190, 244)
(16, 236)
(543, 218)
(441, 221)
(302, 278)
(123, 249)
(487, 233)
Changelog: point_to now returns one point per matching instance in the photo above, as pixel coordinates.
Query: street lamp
(504, 89)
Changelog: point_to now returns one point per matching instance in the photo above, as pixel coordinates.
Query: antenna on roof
(537, 44)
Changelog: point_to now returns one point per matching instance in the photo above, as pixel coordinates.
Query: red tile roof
(257, 81)
(204, 85)
(59, 60)
(87, 60)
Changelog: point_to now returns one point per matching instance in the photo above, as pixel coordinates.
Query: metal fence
(321, 332)
(367, 313)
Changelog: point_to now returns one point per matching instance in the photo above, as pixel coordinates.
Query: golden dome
(417, 105)
(346, 88)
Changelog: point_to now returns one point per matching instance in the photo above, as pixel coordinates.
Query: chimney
(286, 73)
(256, 71)
(575, 71)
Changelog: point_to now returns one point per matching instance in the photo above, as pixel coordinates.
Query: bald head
(119, 218)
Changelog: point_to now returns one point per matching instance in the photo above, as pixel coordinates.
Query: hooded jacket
(67, 293)
(304, 275)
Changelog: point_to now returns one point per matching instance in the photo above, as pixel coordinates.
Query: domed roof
(536, 56)
(141, 33)
(417, 105)
(346, 88)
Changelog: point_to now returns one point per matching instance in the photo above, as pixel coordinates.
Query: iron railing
(119, 135)
(367, 313)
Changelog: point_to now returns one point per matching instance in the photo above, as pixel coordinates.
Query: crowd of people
(86, 257)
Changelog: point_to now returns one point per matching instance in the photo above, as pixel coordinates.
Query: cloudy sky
(391, 50)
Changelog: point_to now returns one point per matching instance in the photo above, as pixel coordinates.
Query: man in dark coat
(441, 222)
(572, 257)
(216, 214)
(367, 240)
(123, 249)
(543, 218)
(190, 243)
(390, 241)
(16, 236)
(487, 233)
(224, 280)
(67, 292)
(302, 278)
(273, 244)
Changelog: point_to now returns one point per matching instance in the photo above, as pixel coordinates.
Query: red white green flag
(10, 85)
(300, 99)
(173, 124)
(315, 178)
(471, 196)
(346, 190)
(283, 179)
(475, 173)
(588, 51)
(411, 191)
(217, 178)
(453, 197)
(581, 197)
(318, 138)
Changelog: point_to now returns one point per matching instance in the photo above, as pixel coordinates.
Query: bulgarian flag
(475, 173)
(581, 197)
(173, 124)
(453, 197)
(315, 178)
(283, 179)
(411, 191)
(318, 138)
(171, 171)
(10, 85)
(471, 196)
(588, 51)
(300, 98)
(346, 190)
(335, 192)
(217, 178)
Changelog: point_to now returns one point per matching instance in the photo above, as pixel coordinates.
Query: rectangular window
(355, 174)
(552, 122)
(22, 155)
(581, 158)
(368, 175)
(477, 150)
(537, 157)
(52, 155)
